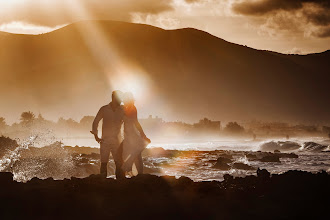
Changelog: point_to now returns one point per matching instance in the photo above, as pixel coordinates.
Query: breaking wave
(293, 146)
(59, 162)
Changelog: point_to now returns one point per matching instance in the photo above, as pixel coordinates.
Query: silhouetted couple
(125, 153)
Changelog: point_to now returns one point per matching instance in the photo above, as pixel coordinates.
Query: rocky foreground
(287, 196)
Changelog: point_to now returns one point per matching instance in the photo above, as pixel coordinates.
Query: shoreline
(289, 195)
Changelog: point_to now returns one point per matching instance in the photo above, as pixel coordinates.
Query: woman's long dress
(133, 143)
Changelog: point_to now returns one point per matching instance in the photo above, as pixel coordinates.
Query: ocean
(199, 160)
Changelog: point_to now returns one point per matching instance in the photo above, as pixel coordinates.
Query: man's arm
(95, 125)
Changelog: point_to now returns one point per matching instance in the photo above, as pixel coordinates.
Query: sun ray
(120, 73)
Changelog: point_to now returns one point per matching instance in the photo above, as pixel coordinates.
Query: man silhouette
(112, 115)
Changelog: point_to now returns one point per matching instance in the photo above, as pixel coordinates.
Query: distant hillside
(194, 73)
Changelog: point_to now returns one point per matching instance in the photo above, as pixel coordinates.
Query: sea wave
(59, 162)
(293, 146)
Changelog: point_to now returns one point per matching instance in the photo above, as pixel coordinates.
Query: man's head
(117, 97)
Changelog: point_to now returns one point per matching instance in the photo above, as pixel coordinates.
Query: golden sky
(287, 26)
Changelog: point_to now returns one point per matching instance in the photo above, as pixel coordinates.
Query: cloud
(322, 33)
(162, 21)
(262, 7)
(297, 16)
(25, 28)
(295, 50)
(59, 12)
(192, 1)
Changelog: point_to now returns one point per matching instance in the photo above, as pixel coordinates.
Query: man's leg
(105, 152)
(117, 154)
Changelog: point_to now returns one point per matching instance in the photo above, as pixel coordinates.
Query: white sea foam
(193, 159)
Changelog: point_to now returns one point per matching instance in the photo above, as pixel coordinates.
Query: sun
(131, 81)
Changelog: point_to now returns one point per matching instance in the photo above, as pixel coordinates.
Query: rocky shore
(291, 195)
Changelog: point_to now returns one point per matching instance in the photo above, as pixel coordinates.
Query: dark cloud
(318, 17)
(262, 7)
(57, 12)
(322, 33)
(306, 13)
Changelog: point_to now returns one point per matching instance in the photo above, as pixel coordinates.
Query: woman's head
(128, 98)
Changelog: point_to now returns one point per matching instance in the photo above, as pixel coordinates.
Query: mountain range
(191, 74)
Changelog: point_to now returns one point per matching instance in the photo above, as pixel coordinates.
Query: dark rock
(251, 156)
(270, 158)
(284, 155)
(7, 144)
(263, 174)
(6, 178)
(228, 178)
(83, 160)
(242, 166)
(185, 181)
(222, 163)
(277, 151)
(226, 155)
(222, 166)
(95, 197)
(224, 160)
(170, 180)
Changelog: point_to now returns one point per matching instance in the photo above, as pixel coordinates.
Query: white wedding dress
(133, 144)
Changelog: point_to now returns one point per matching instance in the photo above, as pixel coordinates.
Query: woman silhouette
(135, 140)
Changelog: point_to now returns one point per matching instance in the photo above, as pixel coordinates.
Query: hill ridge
(193, 74)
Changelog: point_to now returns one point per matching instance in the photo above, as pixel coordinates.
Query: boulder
(263, 174)
(222, 163)
(242, 166)
(251, 156)
(225, 155)
(228, 178)
(270, 158)
(7, 144)
(284, 155)
(185, 181)
(222, 166)
(224, 160)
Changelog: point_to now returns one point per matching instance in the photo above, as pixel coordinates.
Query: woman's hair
(128, 97)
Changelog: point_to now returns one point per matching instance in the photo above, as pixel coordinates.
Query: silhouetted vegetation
(234, 127)
(29, 124)
(3, 123)
(27, 118)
